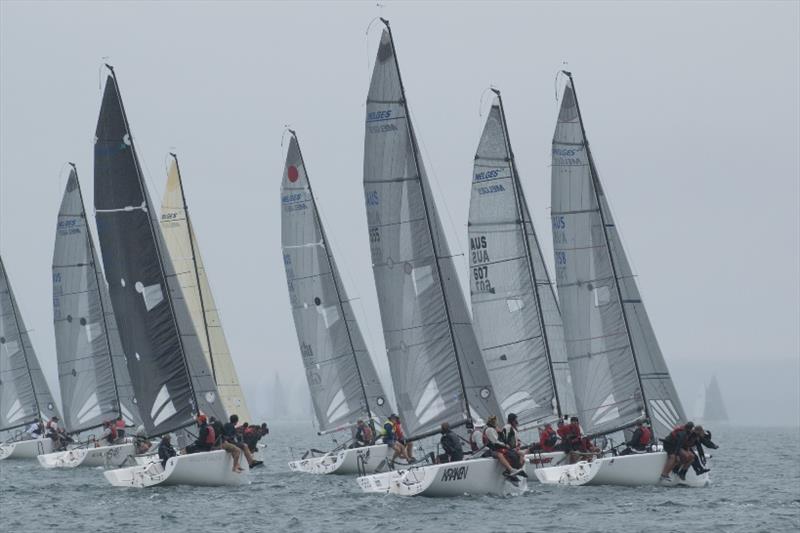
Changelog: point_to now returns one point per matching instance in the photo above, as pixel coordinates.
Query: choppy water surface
(756, 487)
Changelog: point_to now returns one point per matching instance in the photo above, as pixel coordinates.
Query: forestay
(94, 380)
(435, 362)
(615, 360)
(179, 236)
(165, 360)
(341, 375)
(24, 394)
(516, 314)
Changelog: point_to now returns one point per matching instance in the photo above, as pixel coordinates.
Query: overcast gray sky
(692, 110)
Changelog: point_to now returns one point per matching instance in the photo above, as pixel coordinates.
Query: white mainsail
(618, 371)
(95, 385)
(434, 358)
(180, 239)
(515, 310)
(24, 394)
(341, 375)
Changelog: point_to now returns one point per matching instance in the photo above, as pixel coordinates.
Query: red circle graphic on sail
(292, 173)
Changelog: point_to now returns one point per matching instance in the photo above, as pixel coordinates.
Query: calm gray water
(756, 487)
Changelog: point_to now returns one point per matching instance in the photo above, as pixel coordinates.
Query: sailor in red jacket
(640, 440)
(548, 438)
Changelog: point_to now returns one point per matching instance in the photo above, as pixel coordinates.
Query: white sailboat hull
(25, 449)
(472, 476)
(537, 461)
(100, 456)
(345, 462)
(627, 470)
(208, 469)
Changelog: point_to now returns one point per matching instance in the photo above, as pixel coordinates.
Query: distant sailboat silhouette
(714, 409)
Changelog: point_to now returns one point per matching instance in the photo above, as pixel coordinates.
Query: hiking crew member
(363, 436)
(562, 432)
(390, 438)
(109, 432)
(165, 450)
(548, 439)
(475, 438)
(120, 427)
(703, 438)
(206, 438)
(640, 439)
(231, 444)
(451, 446)
(499, 448)
(510, 436)
(400, 436)
(694, 440)
(253, 434)
(35, 430)
(141, 444)
(675, 446)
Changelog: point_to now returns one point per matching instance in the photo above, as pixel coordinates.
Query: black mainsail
(170, 375)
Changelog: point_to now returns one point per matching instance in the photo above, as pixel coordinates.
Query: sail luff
(21, 397)
(165, 375)
(437, 267)
(605, 224)
(190, 235)
(519, 195)
(436, 364)
(180, 240)
(325, 246)
(341, 376)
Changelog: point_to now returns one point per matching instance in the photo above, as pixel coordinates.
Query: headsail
(436, 365)
(24, 394)
(516, 314)
(94, 380)
(169, 372)
(341, 375)
(617, 367)
(179, 236)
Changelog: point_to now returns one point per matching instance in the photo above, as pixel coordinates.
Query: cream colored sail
(191, 273)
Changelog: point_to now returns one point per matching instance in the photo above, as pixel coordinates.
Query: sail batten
(169, 372)
(341, 376)
(190, 274)
(24, 395)
(435, 362)
(619, 372)
(94, 380)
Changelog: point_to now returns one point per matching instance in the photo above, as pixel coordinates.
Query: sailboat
(25, 397)
(436, 365)
(516, 313)
(171, 376)
(714, 406)
(95, 386)
(341, 376)
(619, 374)
(179, 236)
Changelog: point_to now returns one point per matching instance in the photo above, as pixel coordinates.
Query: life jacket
(484, 437)
(647, 435)
(563, 431)
(676, 430)
(367, 433)
(120, 424)
(547, 439)
(387, 432)
(211, 436)
(398, 431)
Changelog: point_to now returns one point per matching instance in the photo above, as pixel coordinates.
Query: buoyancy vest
(387, 433)
(367, 433)
(398, 431)
(677, 429)
(211, 436)
(646, 436)
(547, 439)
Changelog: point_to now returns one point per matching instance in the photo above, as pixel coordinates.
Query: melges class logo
(292, 173)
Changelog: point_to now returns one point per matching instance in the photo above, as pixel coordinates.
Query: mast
(335, 285)
(595, 186)
(196, 271)
(520, 198)
(156, 241)
(100, 296)
(21, 340)
(415, 150)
